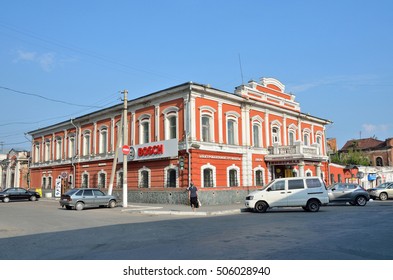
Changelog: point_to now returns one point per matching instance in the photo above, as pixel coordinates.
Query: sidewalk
(182, 209)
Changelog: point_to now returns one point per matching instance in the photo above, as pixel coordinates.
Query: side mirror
(333, 189)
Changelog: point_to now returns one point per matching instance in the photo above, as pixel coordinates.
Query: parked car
(383, 191)
(18, 194)
(345, 192)
(306, 192)
(79, 199)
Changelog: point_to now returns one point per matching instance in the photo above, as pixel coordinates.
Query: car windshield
(268, 185)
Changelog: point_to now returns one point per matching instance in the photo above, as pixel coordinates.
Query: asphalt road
(43, 231)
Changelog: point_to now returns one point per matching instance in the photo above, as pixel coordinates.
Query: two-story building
(225, 143)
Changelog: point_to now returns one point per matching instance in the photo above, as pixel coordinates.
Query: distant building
(379, 152)
(14, 169)
(225, 143)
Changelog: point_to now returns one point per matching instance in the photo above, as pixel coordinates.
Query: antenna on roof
(241, 70)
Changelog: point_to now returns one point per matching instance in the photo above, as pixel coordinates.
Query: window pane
(208, 178)
(206, 129)
(231, 132)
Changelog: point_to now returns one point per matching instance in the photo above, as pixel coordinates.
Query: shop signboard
(153, 150)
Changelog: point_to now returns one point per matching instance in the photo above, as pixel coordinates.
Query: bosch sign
(155, 150)
(151, 150)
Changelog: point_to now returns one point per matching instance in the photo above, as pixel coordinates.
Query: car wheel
(305, 208)
(6, 199)
(383, 196)
(112, 204)
(313, 205)
(33, 198)
(79, 206)
(261, 207)
(361, 200)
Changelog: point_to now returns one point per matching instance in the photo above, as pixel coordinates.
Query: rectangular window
(207, 178)
(206, 129)
(295, 184)
(233, 178)
(231, 132)
(313, 183)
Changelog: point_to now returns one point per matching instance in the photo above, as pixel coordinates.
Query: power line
(47, 98)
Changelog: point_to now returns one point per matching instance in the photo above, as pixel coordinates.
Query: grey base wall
(207, 197)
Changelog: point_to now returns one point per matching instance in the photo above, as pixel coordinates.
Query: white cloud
(46, 61)
(375, 128)
(347, 81)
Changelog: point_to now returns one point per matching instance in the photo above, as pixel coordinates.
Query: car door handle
(282, 192)
(289, 192)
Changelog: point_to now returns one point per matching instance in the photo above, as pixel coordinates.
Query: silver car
(345, 192)
(383, 191)
(79, 199)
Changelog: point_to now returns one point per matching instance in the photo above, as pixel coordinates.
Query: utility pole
(125, 142)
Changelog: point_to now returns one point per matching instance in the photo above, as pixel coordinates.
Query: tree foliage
(352, 157)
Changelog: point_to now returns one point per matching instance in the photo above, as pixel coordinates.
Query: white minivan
(307, 192)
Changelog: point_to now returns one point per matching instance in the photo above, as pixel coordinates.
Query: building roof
(363, 144)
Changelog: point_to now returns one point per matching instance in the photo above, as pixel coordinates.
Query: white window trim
(233, 167)
(103, 150)
(166, 175)
(206, 166)
(144, 118)
(211, 125)
(86, 134)
(168, 113)
(140, 177)
(259, 168)
(232, 116)
(102, 171)
(88, 178)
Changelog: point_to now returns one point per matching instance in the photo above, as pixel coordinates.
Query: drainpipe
(76, 154)
(188, 133)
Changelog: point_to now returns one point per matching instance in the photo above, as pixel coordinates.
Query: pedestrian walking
(193, 196)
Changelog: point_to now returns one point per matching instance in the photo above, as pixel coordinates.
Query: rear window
(313, 183)
(295, 184)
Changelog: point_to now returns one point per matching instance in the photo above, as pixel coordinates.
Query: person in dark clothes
(193, 196)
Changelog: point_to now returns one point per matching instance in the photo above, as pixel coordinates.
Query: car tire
(6, 199)
(79, 206)
(305, 208)
(33, 198)
(383, 196)
(261, 206)
(112, 204)
(361, 200)
(313, 205)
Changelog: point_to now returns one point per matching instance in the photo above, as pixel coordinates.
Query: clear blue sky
(335, 56)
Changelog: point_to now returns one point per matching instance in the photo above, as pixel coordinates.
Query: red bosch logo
(151, 150)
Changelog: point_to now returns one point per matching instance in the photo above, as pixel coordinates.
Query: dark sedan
(18, 194)
(346, 192)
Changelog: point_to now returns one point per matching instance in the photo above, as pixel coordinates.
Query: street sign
(125, 149)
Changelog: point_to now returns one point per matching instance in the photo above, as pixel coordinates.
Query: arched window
(102, 179)
(85, 180)
(233, 176)
(59, 149)
(43, 183)
(37, 152)
(103, 140)
(170, 122)
(71, 146)
(276, 135)
(47, 150)
(258, 176)
(291, 137)
(207, 131)
(208, 176)
(119, 180)
(144, 129)
(306, 138)
(232, 128)
(379, 161)
(171, 178)
(86, 143)
(144, 178)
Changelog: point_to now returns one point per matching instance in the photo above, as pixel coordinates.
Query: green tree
(352, 157)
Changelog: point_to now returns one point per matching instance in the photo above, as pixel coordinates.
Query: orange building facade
(225, 143)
